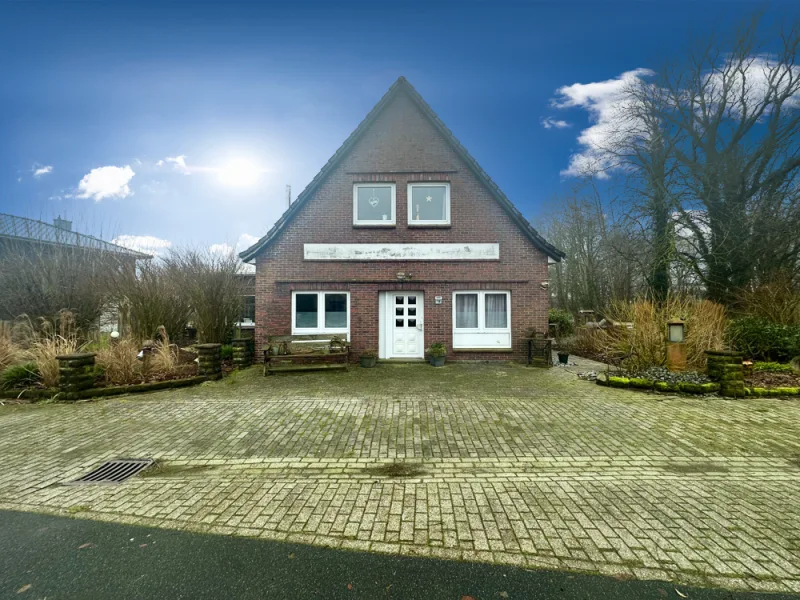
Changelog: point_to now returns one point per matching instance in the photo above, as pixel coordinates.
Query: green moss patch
(619, 382)
(761, 392)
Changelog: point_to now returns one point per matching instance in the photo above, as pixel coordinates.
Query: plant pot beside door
(368, 359)
(437, 354)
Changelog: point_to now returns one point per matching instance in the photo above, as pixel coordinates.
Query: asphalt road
(57, 557)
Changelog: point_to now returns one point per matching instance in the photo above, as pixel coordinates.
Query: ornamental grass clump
(164, 356)
(637, 337)
(119, 361)
(53, 337)
(10, 353)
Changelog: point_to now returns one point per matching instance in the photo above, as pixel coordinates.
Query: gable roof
(403, 86)
(13, 227)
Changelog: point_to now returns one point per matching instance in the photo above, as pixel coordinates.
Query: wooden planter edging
(136, 388)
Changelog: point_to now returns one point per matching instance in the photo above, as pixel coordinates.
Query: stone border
(640, 383)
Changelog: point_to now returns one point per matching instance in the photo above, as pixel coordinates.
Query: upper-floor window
(374, 204)
(429, 203)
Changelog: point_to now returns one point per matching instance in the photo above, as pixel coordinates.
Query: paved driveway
(490, 463)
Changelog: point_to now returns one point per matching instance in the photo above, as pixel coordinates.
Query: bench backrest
(305, 344)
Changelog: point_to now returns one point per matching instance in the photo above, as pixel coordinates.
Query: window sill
(374, 225)
(483, 350)
(430, 225)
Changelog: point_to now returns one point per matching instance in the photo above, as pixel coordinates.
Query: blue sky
(246, 98)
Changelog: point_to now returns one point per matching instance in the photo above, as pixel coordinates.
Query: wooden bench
(305, 353)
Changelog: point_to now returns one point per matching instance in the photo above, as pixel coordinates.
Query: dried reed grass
(643, 345)
(119, 361)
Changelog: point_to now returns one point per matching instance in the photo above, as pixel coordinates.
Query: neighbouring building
(21, 233)
(400, 241)
(40, 241)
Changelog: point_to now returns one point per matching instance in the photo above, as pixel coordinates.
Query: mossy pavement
(495, 463)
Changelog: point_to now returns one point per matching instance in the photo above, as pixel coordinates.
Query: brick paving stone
(514, 465)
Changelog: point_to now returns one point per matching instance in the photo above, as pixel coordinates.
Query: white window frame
(481, 328)
(320, 328)
(372, 223)
(414, 223)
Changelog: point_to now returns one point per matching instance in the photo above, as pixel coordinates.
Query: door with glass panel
(405, 324)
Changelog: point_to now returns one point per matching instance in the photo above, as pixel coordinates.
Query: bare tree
(601, 263)
(731, 115)
(42, 281)
(213, 287)
(150, 297)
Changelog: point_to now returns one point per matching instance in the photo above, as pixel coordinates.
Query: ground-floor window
(320, 312)
(482, 319)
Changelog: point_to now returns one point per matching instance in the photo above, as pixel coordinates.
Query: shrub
(119, 361)
(761, 339)
(563, 321)
(150, 297)
(637, 339)
(20, 376)
(437, 349)
(213, 286)
(43, 281)
(777, 301)
(226, 352)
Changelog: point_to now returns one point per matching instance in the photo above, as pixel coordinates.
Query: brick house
(402, 240)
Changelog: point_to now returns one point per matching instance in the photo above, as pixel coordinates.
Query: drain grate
(114, 471)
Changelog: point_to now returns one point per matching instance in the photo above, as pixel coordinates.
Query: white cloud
(550, 123)
(159, 163)
(221, 249)
(245, 241)
(106, 182)
(179, 164)
(39, 170)
(605, 102)
(143, 243)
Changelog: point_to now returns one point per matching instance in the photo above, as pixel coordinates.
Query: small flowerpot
(563, 358)
(437, 361)
(368, 361)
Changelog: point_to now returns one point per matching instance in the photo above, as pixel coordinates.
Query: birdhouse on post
(676, 345)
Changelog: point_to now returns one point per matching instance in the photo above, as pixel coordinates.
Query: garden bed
(33, 394)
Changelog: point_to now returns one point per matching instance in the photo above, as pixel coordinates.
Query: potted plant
(564, 348)
(437, 354)
(369, 359)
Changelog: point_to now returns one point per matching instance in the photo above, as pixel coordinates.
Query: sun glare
(240, 172)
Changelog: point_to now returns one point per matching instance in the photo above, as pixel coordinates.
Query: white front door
(404, 321)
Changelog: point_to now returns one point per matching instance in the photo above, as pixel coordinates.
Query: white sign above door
(401, 251)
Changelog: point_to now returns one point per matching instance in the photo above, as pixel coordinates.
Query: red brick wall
(397, 148)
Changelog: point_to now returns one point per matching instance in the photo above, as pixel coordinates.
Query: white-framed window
(482, 319)
(374, 204)
(321, 312)
(429, 203)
